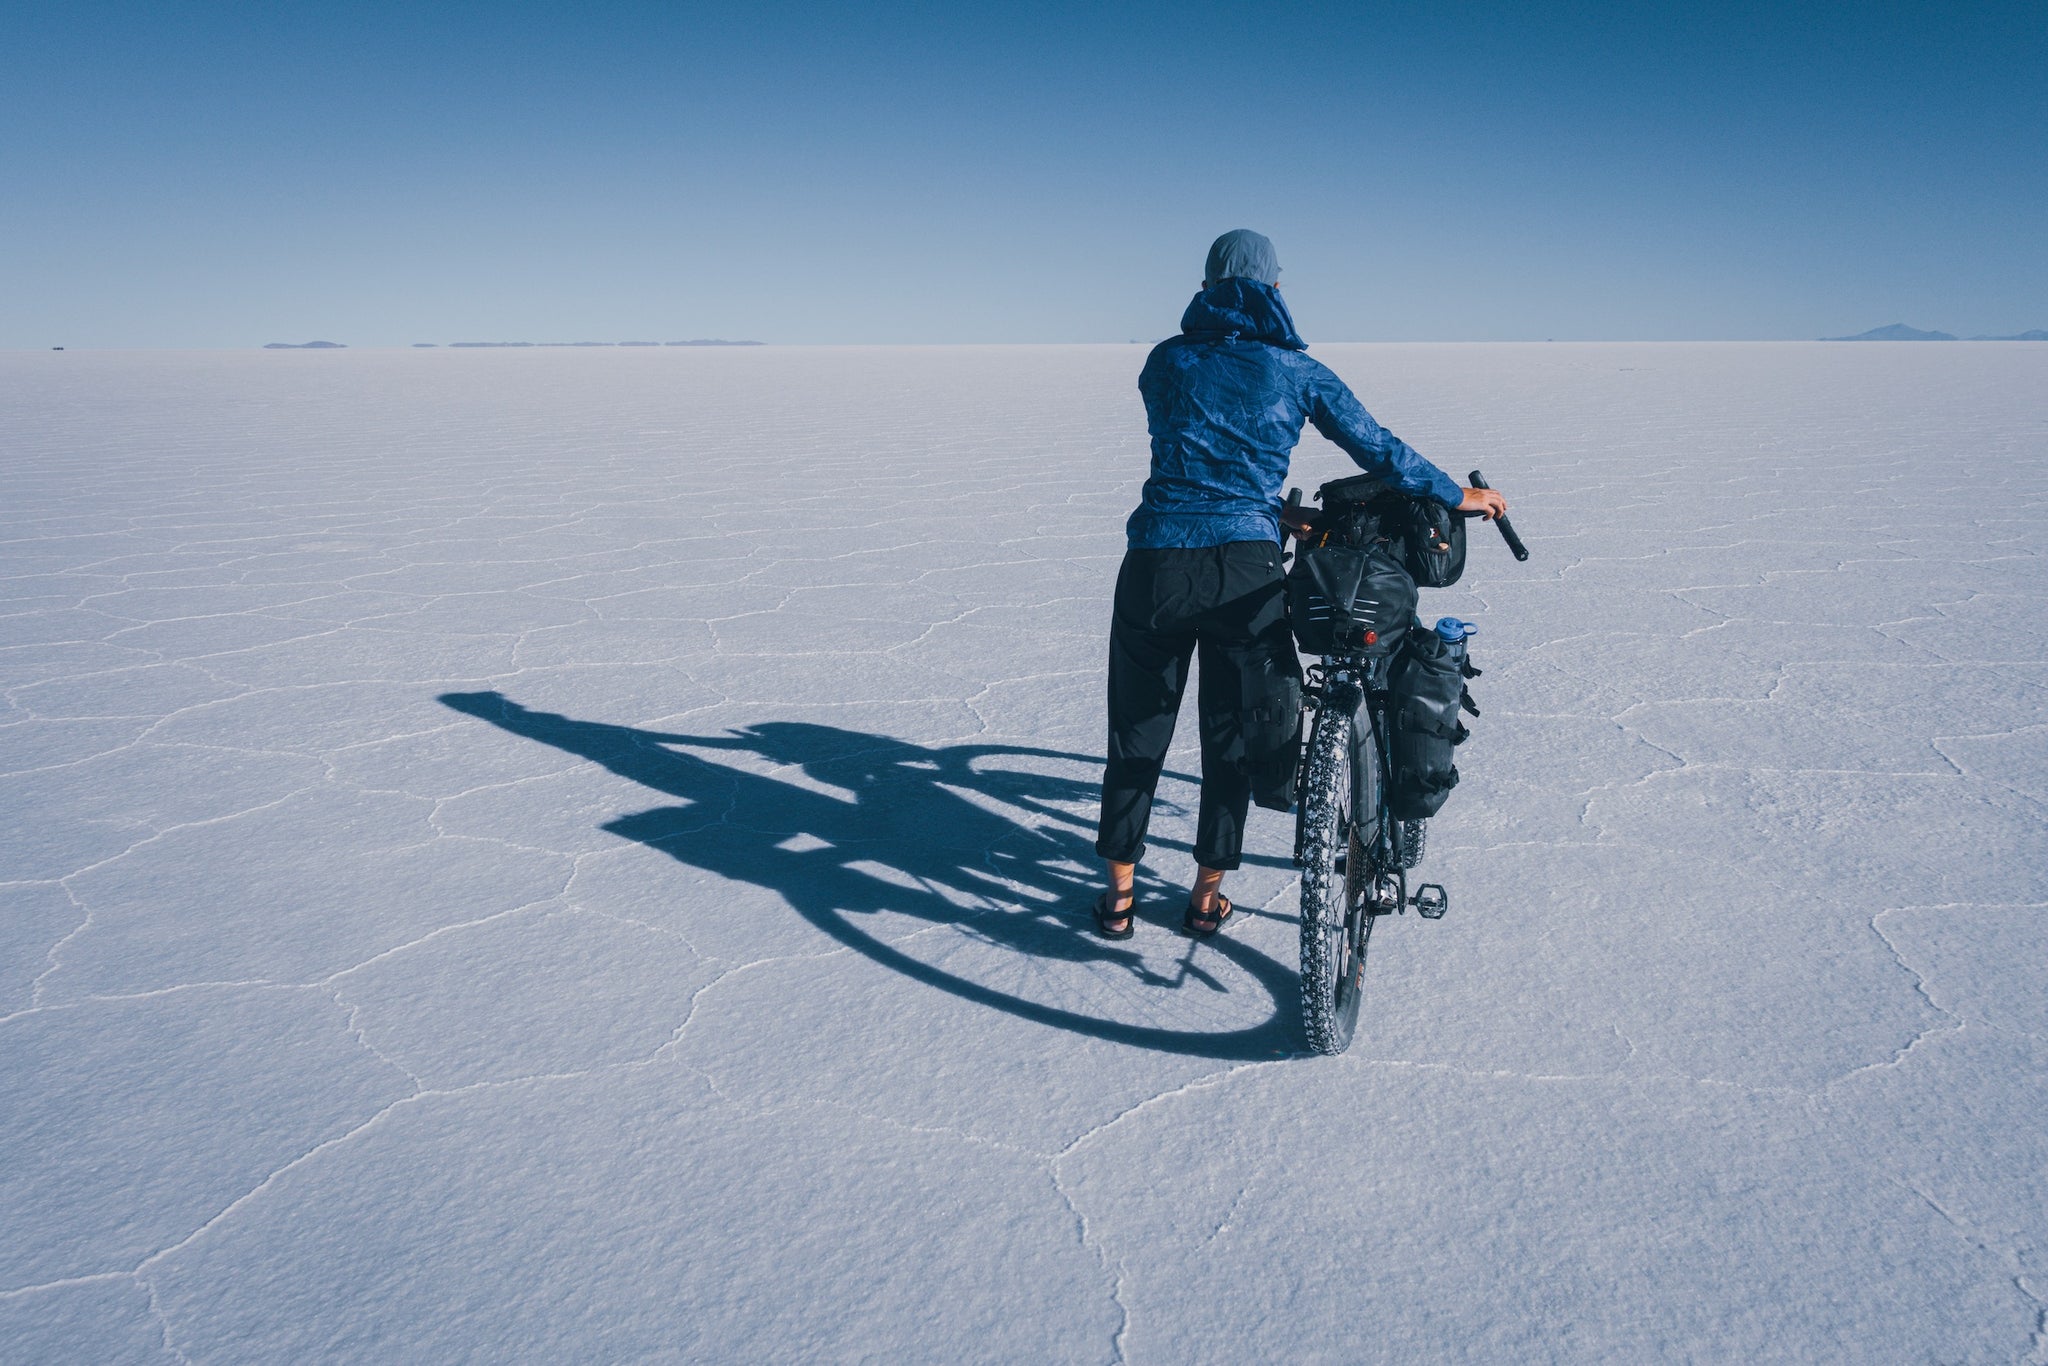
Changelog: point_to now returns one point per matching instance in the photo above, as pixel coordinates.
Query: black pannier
(1270, 731)
(1427, 688)
(1348, 592)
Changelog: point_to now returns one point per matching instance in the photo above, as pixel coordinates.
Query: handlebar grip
(1507, 532)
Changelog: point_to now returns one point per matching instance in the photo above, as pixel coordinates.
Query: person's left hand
(1486, 502)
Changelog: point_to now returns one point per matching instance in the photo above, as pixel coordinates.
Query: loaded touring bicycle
(1384, 700)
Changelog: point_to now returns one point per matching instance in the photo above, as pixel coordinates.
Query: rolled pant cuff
(1115, 855)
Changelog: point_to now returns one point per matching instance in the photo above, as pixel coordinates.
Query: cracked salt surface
(568, 857)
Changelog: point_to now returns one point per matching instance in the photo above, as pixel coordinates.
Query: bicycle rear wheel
(1336, 921)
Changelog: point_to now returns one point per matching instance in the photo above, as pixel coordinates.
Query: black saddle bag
(1347, 592)
(1347, 599)
(1426, 689)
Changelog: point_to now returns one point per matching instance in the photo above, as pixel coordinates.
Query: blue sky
(225, 175)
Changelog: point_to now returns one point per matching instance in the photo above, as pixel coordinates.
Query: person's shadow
(869, 824)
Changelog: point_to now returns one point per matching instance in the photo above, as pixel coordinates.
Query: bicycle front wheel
(1335, 920)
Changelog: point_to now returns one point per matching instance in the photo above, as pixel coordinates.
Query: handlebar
(1475, 480)
(1507, 530)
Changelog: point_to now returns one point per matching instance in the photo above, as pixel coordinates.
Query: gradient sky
(226, 174)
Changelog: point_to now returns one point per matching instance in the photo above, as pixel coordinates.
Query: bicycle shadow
(870, 824)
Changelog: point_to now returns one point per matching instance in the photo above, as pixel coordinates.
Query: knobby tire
(1335, 923)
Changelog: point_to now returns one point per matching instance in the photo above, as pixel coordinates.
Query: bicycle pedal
(1431, 901)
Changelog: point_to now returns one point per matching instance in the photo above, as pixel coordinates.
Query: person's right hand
(1486, 502)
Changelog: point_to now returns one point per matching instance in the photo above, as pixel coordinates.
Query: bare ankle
(1123, 887)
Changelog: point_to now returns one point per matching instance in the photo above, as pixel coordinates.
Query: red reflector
(1372, 637)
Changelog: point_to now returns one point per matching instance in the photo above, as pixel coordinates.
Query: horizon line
(850, 345)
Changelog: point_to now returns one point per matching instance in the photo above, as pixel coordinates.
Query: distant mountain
(1895, 332)
(2037, 334)
(305, 346)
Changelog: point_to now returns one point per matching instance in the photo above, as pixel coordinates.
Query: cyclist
(1225, 402)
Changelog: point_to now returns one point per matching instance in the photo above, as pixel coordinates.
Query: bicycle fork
(1328, 696)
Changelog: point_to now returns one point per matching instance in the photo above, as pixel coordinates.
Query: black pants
(1227, 602)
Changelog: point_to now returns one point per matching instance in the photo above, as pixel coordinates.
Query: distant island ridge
(1901, 332)
(305, 346)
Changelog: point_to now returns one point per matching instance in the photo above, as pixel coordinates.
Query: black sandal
(1105, 912)
(1220, 914)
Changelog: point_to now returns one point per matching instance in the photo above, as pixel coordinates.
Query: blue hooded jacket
(1225, 402)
